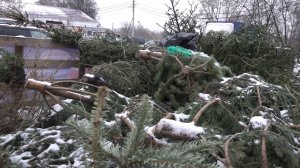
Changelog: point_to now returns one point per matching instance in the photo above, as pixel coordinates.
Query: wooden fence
(43, 60)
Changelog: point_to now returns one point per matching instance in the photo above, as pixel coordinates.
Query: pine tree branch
(128, 122)
(59, 91)
(179, 62)
(169, 116)
(101, 94)
(287, 88)
(259, 96)
(178, 130)
(226, 150)
(264, 158)
(74, 82)
(137, 134)
(202, 110)
(294, 126)
(146, 55)
(72, 90)
(217, 157)
(54, 98)
(150, 138)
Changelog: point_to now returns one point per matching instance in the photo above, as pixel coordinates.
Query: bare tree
(140, 31)
(289, 11)
(279, 16)
(125, 29)
(181, 21)
(4, 4)
(294, 39)
(211, 9)
(87, 6)
(221, 10)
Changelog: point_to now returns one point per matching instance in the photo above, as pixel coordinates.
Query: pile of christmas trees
(195, 113)
(163, 109)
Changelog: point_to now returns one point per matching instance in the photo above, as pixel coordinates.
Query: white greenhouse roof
(66, 15)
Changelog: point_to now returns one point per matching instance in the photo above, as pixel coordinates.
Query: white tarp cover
(219, 26)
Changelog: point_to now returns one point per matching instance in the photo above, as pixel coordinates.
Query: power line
(114, 10)
(151, 12)
(150, 7)
(115, 6)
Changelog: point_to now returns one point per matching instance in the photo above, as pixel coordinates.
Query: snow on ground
(41, 146)
(52, 148)
(253, 80)
(18, 159)
(257, 122)
(181, 116)
(180, 128)
(284, 113)
(57, 107)
(89, 75)
(205, 97)
(246, 83)
(6, 139)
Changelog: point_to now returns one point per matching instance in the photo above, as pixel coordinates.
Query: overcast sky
(113, 13)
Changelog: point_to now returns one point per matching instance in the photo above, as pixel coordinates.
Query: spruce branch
(74, 82)
(259, 96)
(54, 98)
(59, 91)
(128, 122)
(202, 110)
(166, 126)
(169, 116)
(150, 137)
(294, 126)
(143, 117)
(226, 150)
(191, 154)
(264, 158)
(147, 55)
(101, 94)
(72, 90)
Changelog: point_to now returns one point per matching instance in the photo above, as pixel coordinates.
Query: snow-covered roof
(66, 15)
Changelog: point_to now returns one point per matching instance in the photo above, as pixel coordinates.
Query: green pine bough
(252, 49)
(179, 75)
(11, 69)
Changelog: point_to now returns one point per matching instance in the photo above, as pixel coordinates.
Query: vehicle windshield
(23, 32)
(38, 34)
(11, 31)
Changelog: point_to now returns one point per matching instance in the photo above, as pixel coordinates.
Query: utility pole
(133, 6)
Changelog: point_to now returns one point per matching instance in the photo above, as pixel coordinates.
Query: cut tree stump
(45, 87)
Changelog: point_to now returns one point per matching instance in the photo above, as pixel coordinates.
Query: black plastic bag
(183, 39)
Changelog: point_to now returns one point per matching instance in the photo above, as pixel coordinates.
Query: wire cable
(115, 6)
(152, 13)
(151, 8)
(114, 10)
